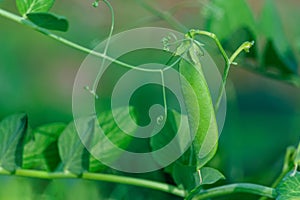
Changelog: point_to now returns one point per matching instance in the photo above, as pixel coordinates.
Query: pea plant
(55, 151)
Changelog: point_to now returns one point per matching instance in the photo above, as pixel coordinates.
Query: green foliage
(49, 21)
(37, 12)
(277, 52)
(183, 169)
(226, 17)
(76, 159)
(73, 154)
(40, 151)
(12, 132)
(232, 18)
(185, 175)
(113, 133)
(30, 6)
(210, 175)
(289, 187)
(56, 148)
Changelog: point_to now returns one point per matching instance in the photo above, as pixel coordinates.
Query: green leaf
(289, 187)
(12, 132)
(210, 175)
(29, 6)
(278, 52)
(49, 21)
(95, 165)
(41, 151)
(184, 175)
(189, 177)
(73, 154)
(113, 133)
(224, 17)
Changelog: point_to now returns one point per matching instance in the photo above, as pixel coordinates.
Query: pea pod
(204, 144)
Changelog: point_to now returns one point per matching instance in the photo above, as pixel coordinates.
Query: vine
(197, 193)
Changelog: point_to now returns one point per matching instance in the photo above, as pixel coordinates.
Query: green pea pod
(205, 143)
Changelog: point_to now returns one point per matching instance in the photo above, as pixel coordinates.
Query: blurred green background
(37, 75)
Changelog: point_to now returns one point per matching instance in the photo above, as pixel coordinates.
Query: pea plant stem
(228, 60)
(234, 188)
(195, 194)
(137, 182)
(60, 39)
(107, 42)
(164, 94)
(99, 177)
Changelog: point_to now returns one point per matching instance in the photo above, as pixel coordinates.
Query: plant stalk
(290, 79)
(231, 189)
(60, 39)
(228, 61)
(99, 177)
(111, 30)
(195, 194)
